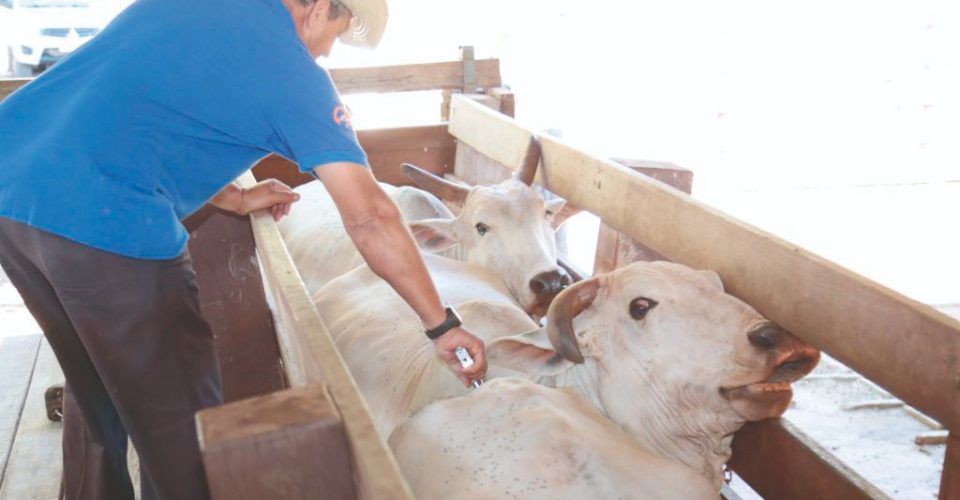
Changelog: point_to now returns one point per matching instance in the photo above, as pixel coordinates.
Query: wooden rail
(412, 77)
(400, 78)
(310, 357)
(777, 441)
(7, 86)
(908, 348)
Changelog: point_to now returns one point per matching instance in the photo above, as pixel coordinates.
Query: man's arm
(376, 227)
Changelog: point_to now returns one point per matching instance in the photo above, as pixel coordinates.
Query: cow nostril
(549, 283)
(765, 337)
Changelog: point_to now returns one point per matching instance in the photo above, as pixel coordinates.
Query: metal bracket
(469, 69)
(53, 397)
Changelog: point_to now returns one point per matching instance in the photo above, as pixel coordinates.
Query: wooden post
(615, 249)
(950, 480)
(233, 303)
(288, 444)
(506, 98)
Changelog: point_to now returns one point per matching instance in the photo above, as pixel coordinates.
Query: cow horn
(528, 169)
(436, 185)
(566, 306)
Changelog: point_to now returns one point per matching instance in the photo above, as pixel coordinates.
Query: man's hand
(270, 193)
(447, 343)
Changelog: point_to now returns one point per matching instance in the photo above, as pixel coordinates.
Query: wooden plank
(288, 444)
(33, 469)
(8, 85)
(399, 78)
(18, 355)
(615, 249)
(950, 480)
(906, 347)
(233, 303)
(779, 461)
(491, 133)
(429, 147)
(414, 77)
(475, 168)
(310, 357)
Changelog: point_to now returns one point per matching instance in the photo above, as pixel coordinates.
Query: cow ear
(561, 212)
(434, 235)
(530, 353)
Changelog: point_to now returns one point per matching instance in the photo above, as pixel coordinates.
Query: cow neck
(679, 429)
(678, 425)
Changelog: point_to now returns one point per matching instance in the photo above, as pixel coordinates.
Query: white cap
(368, 23)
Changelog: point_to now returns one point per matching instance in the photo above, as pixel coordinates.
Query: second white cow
(507, 227)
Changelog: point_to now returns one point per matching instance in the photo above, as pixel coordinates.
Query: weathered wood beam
(310, 357)
(287, 444)
(429, 147)
(906, 347)
(779, 461)
(498, 137)
(400, 78)
(233, 303)
(7, 86)
(413, 77)
(615, 249)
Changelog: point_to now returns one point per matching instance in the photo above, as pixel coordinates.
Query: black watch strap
(450, 322)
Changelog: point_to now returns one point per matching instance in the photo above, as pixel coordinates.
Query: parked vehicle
(35, 34)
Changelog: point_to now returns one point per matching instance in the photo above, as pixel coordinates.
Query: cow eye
(640, 306)
(482, 228)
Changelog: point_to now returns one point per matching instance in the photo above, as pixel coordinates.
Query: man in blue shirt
(108, 151)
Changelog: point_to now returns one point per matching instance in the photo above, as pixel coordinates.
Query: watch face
(455, 316)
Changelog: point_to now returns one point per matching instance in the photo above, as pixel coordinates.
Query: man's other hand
(447, 343)
(269, 193)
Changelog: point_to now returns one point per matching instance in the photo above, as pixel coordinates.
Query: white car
(35, 34)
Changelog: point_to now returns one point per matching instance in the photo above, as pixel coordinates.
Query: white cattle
(382, 341)
(657, 348)
(317, 241)
(515, 438)
(507, 227)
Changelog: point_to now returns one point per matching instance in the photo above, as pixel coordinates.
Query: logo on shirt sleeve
(341, 116)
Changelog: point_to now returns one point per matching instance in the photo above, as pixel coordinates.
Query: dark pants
(137, 356)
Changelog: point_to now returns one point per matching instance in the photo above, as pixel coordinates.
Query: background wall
(832, 124)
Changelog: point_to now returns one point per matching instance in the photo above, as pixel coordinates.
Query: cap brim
(368, 23)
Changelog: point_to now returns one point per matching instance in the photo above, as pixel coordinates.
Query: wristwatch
(450, 322)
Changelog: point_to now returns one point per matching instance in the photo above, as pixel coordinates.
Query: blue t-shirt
(141, 126)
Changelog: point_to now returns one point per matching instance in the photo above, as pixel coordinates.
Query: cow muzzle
(545, 286)
(792, 360)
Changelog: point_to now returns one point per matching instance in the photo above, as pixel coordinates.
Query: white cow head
(665, 353)
(507, 227)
